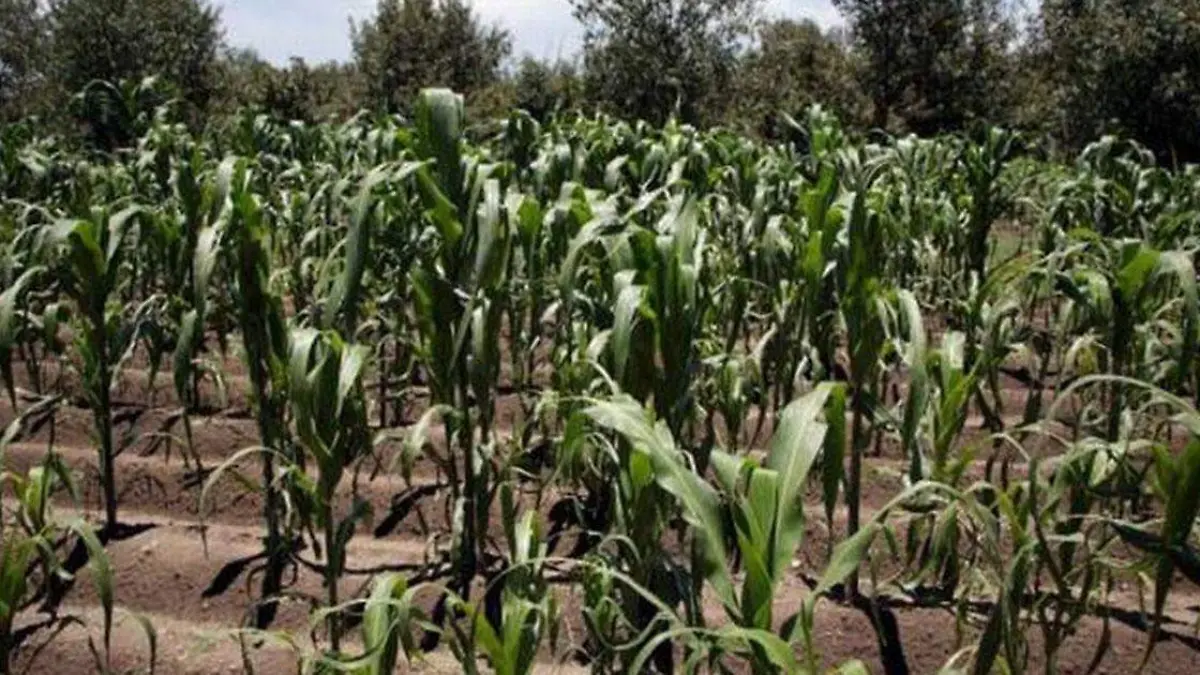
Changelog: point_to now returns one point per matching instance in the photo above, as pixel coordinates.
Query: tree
(651, 58)
(298, 91)
(243, 78)
(310, 93)
(22, 53)
(1124, 66)
(413, 44)
(937, 65)
(794, 66)
(542, 88)
(114, 40)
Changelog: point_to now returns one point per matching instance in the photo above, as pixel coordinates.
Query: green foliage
(264, 333)
(1066, 71)
(654, 60)
(936, 66)
(413, 44)
(309, 93)
(9, 329)
(31, 538)
(118, 113)
(651, 299)
(544, 88)
(23, 44)
(114, 40)
(88, 254)
(793, 66)
(1124, 67)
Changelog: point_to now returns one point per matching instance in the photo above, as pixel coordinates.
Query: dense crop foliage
(701, 339)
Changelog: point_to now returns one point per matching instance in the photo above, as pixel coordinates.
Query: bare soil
(180, 582)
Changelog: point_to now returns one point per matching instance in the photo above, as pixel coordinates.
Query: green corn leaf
(9, 300)
(303, 390)
(1179, 266)
(700, 503)
(847, 557)
(17, 552)
(492, 242)
(182, 368)
(833, 454)
(118, 227)
(629, 302)
(343, 301)
(729, 469)
(386, 617)
(439, 124)
(350, 374)
(852, 668)
(1134, 276)
(757, 523)
(84, 253)
(441, 209)
(151, 637)
(589, 234)
(1184, 504)
(795, 446)
(229, 466)
(778, 652)
(102, 575)
(485, 635)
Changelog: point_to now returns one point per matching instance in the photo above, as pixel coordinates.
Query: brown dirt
(162, 573)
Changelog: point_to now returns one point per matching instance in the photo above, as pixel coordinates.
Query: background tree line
(1069, 70)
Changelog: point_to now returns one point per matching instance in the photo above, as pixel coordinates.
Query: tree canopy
(23, 34)
(412, 44)
(651, 58)
(1063, 70)
(794, 65)
(930, 65)
(113, 40)
(1124, 67)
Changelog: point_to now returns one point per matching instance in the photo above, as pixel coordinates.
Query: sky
(318, 30)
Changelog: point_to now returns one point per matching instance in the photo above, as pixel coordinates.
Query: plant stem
(189, 440)
(103, 417)
(5, 636)
(273, 575)
(269, 425)
(383, 376)
(333, 560)
(858, 445)
(470, 534)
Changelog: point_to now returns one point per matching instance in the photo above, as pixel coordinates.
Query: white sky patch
(319, 30)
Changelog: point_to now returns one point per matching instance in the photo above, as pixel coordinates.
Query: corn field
(502, 396)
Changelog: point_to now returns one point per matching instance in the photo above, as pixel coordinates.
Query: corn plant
(1122, 306)
(330, 415)
(805, 314)
(656, 288)
(984, 164)
(527, 609)
(1168, 544)
(766, 504)
(10, 328)
(265, 337)
(390, 615)
(30, 540)
(658, 309)
(92, 250)
(458, 292)
(639, 506)
(760, 508)
(202, 198)
(863, 303)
